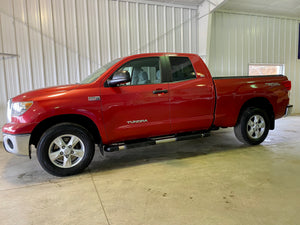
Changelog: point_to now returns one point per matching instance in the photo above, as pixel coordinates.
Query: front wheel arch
(81, 120)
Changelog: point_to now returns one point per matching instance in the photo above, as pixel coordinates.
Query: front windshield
(94, 76)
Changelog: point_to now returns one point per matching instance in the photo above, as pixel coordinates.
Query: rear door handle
(160, 91)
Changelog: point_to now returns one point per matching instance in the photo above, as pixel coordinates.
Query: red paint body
(189, 105)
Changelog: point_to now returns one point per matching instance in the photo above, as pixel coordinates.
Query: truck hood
(45, 93)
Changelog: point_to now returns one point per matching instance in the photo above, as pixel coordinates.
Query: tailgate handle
(160, 91)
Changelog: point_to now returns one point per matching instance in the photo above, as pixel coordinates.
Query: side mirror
(119, 77)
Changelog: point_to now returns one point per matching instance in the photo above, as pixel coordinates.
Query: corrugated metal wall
(62, 41)
(239, 39)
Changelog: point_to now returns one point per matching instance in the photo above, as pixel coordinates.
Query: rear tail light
(287, 84)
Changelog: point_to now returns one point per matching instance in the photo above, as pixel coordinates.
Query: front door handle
(165, 91)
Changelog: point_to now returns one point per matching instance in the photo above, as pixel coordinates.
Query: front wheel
(65, 149)
(253, 126)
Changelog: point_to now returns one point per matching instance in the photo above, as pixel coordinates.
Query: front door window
(143, 71)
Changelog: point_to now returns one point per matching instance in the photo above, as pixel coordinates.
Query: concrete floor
(214, 180)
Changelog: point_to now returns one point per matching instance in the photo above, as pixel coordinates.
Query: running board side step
(153, 141)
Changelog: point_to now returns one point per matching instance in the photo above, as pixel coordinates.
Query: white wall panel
(26, 81)
(71, 41)
(94, 34)
(161, 28)
(83, 38)
(239, 39)
(48, 43)
(3, 89)
(178, 31)
(62, 41)
(133, 28)
(59, 35)
(35, 44)
(186, 30)
(10, 65)
(124, 28)
(203, 28)
(152, 28)
(18, 7)
(194, 32)
(142, 27)
(104, 31)
(113, 28)
(169, 29)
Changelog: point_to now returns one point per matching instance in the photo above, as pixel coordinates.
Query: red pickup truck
(137, 100)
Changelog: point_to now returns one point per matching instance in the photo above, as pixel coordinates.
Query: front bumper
(17, 144)
(288, 110)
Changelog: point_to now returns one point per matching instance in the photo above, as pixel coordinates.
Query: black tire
(253, 126)
(65, 149)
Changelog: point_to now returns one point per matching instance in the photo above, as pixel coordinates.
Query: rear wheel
(65, 149)
(253, 126)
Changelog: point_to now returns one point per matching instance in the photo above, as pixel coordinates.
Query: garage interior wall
(62, 41)
(238, 39)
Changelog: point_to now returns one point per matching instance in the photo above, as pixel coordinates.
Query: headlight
(18, 108)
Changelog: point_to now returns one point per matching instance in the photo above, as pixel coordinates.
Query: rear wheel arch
(81, 120)
(259, 103)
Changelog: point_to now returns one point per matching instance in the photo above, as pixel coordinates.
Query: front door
(140, 108)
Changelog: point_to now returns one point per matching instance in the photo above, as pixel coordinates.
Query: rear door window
(181, 69)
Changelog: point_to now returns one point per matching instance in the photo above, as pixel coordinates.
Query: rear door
(140, 108)
(191, 97)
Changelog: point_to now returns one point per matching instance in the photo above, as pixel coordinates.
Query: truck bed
(233, 92)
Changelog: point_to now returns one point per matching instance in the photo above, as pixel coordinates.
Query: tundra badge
(137, 121)
(94, 98)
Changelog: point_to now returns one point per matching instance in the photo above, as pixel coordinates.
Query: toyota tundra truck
(139, 100)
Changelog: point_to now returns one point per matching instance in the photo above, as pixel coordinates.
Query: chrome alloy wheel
(256, 126)
(66, 151)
